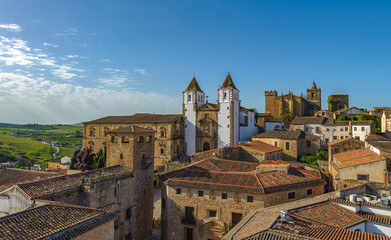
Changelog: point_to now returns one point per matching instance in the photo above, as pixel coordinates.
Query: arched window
(161, 151)
(313, 95)
(149, 138)
(91, 144)
(121, 156)
(189, 97)
(225, 96)
(92, 131)
(125, 139)
(112, 139)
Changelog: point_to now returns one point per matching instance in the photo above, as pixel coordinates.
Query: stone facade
(386, 121)
(103, 232)
(298, 105)
(169, 135)
(209, 213)
(338, 101)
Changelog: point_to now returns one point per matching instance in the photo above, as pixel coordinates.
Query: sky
(71, 61)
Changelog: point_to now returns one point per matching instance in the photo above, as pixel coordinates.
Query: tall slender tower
(228, 115)
(314, 98)
(193, 98)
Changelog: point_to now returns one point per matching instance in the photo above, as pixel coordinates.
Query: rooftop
(53, 221)
(193, 86)
(44, 188)
(132, 129)
(382, 145)
(12, 176)
(294, 135)
(357, 157)
(261, 146)
(342, 141)
(309, 120)
(239, 176)
(138, 118)
(228, 83)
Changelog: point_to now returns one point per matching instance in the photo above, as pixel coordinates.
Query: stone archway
(206, 146)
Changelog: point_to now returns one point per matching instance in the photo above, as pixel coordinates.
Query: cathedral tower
(314, 99)
(193, 98)
(228, 116)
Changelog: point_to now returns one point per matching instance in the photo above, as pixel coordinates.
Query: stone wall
(288, 155)
(103, 232)
(205, 227)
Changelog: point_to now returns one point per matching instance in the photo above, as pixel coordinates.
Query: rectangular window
(189, 212)
(275, 144)
(346, 129)
(287, 146)
(362, 177)
(335, 137)
(224, 196)
(327, 140)
(306, 129)
(236, 217)
(189, 233)
(308, 143)
(291, 195)
(163, 203)
(341, 129)
(317, 130)
(358, 138)
(178, 191)
(128, 236)
(250, 199)
(200, 193)
(327, 129)
(206, 116)
(309, 192)
(128, 213)
(355, 128)
(362, 129)
(212, 213)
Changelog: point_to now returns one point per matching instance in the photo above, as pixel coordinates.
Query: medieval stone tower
(228, 115)
(314, 99)
(193, 98)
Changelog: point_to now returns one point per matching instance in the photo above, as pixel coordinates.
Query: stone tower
(193, 98)
(314, 99)
(228, 116)
(133, 147)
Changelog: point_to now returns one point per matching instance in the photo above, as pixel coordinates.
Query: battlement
(271, 93)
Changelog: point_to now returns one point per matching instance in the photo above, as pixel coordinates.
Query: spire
(313, 85)
(193, 86)
(228, 83)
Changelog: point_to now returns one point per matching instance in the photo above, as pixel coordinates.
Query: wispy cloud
(68, 32)
(104, 60)
(49, 45)
(16, 52)
(140, 71)
(29, 100)
(11, 27)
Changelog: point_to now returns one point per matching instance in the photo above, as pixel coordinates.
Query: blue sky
(72, 61)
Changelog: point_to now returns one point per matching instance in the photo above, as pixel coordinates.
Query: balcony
(188, 220)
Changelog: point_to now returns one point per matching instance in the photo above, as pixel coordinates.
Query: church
(208, 126)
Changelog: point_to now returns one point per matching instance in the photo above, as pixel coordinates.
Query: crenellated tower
(228, 115)
(193, 98)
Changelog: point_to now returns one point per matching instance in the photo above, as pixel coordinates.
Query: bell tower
(193, 98)
(314, 99)
(228, 116)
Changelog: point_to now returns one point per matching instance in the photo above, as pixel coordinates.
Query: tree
(84, 159)
(45, 165)
(286, 116)
(100, 159)
(73, 160)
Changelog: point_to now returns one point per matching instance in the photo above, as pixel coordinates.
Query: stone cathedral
(208, 125)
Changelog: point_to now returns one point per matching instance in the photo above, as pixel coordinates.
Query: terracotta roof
(359, 203)
(238, 176)
(377, 218)
(377, 137)
(138, 118)
(309, 120)
(382, 145)
(209, 106)
(53, 221)
(339, 234)
(12, 176)
(295, 135)
(342, 140)
(357, 157)
(228, 83)
(261, 146)
(44, 188)
(132, 129)
(272, 234)
(193, 86)
(326, 214)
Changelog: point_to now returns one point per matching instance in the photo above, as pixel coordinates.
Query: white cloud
(26, 99)
(106, 60)
(11, 27)
(73, 56)
(140, 71)
(49, 44)
(68, 32)
(14, 51)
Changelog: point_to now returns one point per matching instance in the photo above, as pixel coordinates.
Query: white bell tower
(228, 116)
(193, 98)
